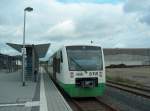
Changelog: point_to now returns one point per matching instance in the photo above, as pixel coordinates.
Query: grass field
(135, 75)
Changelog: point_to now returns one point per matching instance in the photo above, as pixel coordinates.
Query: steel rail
(79, 107)
(129, 85)
(98, 101)
(130, 90)
(108, 105)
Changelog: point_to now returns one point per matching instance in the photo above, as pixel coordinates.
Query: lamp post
(29, 9)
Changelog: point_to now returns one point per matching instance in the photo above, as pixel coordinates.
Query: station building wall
(127, 56)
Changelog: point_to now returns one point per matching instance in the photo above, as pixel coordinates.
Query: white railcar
(80, 70)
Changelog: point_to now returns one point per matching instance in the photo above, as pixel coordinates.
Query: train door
(58, 63)
(54, 67)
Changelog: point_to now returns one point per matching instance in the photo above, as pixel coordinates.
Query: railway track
(87, 104)
(130, 88)
(91, 104)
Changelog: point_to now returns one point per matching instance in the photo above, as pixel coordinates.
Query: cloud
(90, 1)
(125, 24)
(141, 8)
(63, 29)
(136, 6)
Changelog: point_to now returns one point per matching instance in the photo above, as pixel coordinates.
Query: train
(79, 70)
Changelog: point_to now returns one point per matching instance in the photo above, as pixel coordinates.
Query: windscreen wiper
(78, 64)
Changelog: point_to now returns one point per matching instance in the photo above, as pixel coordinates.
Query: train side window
(58, 65)
(61, 57)
(54, 64)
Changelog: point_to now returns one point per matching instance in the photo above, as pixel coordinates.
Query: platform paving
(15, 97)
(54, 100)
(35, 96)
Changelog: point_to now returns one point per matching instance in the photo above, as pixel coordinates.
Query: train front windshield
(84, 58)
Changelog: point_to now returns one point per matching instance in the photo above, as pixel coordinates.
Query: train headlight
(71, 74)
(100, 74)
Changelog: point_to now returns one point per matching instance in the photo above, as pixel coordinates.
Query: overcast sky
(110, 23)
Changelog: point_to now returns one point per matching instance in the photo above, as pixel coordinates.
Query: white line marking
(15, 104)
(43, 101)
(26, 104)
(32, 104)
(64, 101)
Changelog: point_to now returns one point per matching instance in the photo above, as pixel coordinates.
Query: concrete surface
(55, 101)
(13, 94)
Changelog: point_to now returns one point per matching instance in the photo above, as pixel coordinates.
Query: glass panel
(84, 58)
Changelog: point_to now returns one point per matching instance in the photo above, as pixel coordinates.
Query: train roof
(77, 45)
(81, 45)
(61, 47)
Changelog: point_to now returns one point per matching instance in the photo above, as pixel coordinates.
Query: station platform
(15, 97)
(35, 96)
(52, 99)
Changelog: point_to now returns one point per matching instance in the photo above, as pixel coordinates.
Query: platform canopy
(41, 49)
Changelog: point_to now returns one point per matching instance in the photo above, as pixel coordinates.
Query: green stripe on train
(73, 91)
